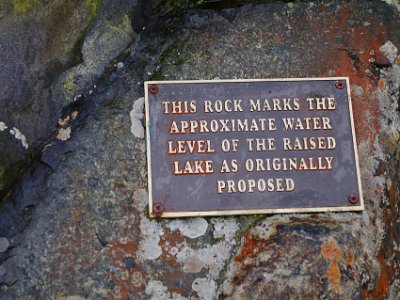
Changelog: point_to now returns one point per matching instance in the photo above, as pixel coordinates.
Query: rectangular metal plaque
(229, 147)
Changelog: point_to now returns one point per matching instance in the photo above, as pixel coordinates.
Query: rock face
(75, 225)
(39, 43)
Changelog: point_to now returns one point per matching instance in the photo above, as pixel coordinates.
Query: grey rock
(2, 270)
(4, 244)
(35, 51)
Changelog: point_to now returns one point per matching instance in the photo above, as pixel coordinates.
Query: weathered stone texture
(76, 224)
(39, 40)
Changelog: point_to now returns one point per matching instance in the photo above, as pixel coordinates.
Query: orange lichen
(248, 248)
(381, 84)
(169, 240)
(332, 252)
(349, 258)
(356, 65)
(118, 251)
(381, 289)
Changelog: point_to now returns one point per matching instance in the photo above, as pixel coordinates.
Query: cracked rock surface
(75, 225)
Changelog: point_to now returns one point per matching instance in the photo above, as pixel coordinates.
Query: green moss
(170, 59)
(93, 5)
(20, 7)
(127, 22)
(124, 27)
(248, 222)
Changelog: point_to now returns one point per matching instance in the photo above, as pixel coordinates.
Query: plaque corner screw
(158, 209)
(340, 84)
(353, 199)
(153, 89)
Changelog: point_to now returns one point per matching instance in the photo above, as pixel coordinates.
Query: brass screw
(153, 89)
(353, 199)
(340, 84)
(158, 209)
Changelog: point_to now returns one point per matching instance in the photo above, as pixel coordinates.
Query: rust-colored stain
(248, 248)
(173, 277)
(332, 252)
(381, 84)
(381, 289)
(121, 188)
(122, 276)
(356, 63)
(252, 246)
(168, 240)
(388, 272)
(349, 258)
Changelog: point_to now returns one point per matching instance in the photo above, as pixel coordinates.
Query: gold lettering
(309, 143)
(289, 164)
(193, 167)
(191, 146)
(255, 185)
(321, 103)
(229, 168)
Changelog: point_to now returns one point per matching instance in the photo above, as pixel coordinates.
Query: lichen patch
(205, 288)
(193, 228)
(3, 126)
(390, 51)
(157, 290)
(64, 134)
(19, 136)
(136, 116)
(224, 228)
(149, 248)
(332, 252)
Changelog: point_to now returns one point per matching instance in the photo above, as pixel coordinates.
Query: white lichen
(136, 116)
(205, 288)
(3, 126)
(224, 228)
(140, 199)
(390, 51)
(64, 134)
(192, 228)
(63, 121)
(212, 257)
(157, 290)
(149, 248)
(19, 136)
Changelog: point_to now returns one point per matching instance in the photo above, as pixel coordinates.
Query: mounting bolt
(340, 84)
(158, 209)
(153, 89)
(353, 199)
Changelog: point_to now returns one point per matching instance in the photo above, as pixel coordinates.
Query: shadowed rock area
(73, 171)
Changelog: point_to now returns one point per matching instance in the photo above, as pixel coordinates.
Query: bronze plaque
(229, 147)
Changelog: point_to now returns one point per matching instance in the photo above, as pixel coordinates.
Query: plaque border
(216, 213)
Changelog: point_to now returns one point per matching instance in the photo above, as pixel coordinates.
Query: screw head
(153, 89)
(353, 199)
(340, 84)
(158, 209)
